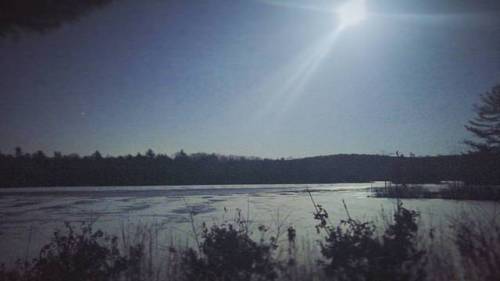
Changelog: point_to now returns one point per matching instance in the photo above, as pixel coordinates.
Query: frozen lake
(28, 216)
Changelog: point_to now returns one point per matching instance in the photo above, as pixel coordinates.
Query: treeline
(37, 169)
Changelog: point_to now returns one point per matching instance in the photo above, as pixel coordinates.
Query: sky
(267, 78)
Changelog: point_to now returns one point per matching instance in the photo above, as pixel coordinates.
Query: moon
(351, 13)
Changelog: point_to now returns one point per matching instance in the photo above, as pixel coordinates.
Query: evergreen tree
(18, 152)
(96, 155)
(485, 126)
(150, 153)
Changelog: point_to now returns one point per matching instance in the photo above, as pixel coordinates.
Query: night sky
(261, 78)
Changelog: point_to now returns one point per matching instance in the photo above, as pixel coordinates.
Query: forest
(36, 169)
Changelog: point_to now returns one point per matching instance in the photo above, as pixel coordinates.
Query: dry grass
(466, 249)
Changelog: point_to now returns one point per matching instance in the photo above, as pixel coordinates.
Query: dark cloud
(41, 15)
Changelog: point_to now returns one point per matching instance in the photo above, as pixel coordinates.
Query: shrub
(403, 191)
(472, 192)
(354, 252)
(20, 272)
(85, 256)
(76, 256)
(479, 246)
(227, 253)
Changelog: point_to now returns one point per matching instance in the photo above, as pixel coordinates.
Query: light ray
(292, 80)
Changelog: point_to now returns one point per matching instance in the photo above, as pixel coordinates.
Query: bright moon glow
(293, 79)
(351, 13)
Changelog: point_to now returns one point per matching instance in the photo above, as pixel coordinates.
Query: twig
(248, 214)
(193, 227)
(312, 199)
(321, 215)
(29, 245)
(346, 210)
